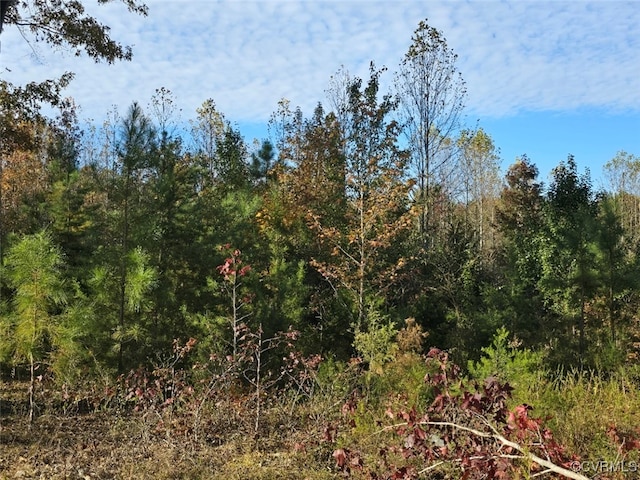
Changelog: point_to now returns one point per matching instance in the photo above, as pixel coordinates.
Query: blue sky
(544, 78)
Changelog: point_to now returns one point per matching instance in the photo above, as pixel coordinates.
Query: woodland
(362, 295)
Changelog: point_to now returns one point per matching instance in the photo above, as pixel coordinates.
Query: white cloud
(515, 57)
(554, 56)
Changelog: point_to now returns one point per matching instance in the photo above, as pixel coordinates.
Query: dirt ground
(111, 445)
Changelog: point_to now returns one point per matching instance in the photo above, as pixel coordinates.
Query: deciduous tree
(480, 169)
(66, 24)
(432, 94)
(376, 215)
(623, 177)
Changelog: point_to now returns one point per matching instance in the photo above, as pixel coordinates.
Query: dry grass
(108, 445)
(219, 441)
(583, 406)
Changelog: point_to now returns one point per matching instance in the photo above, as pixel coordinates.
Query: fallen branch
(550, 466)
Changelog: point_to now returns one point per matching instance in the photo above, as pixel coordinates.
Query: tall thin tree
(432, 93)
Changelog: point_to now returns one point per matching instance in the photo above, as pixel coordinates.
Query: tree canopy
(66, 24)
(376, 207)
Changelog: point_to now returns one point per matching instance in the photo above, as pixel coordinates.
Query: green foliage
(336, 378)
(401, 379)
(111, 332)
(282, 300)
(262, 162)
(232, 167)
(73, 220)
(583, 407)
(234, 221)
(519, 216)
(617, 273)
(464, 431)
(140, 280)
(376, 344)
(70, 359)
(33, 270)
(569, 253)
(505, 361)
(36, 325)
(355, 217)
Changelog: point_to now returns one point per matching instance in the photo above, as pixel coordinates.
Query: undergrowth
(320, 420)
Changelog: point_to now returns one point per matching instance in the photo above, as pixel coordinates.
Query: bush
(505, 361)
(376, 344)
(468, 430)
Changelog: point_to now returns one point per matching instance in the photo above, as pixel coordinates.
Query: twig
(551, 467)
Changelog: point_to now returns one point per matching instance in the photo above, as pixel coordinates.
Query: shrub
(468, 427)
(506, 362)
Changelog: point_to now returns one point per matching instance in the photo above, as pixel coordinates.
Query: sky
(545, 79)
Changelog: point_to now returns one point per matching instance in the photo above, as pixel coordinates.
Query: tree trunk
(32, 380)
(123, 274)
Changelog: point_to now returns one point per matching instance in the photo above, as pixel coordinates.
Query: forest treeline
(375, 211)
(364, 294)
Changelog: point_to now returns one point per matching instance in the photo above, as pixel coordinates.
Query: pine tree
(569, 277)
(33, 329)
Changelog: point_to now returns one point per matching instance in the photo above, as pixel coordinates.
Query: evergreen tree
(520, 219)
(34, 328)
(232, 166)
(569, 275)
(262, 163)
(120, 334)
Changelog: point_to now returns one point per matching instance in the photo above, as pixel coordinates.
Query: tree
(623, 175)
(231, 159)
(163, 105)
(24, 142)
(137, 144)
(519, 217)
(4, 7)
(262, 161)
(59, 24)
(613, 262)
(363, 259)
(121, 304)
(24, 182)
(569, 277)
(125, 222)
(286, 126)
(307, 181)
(207, 132)
(311, 177)
(170, 203)
(481, 180)
(71, 213)
(236, 310)
(432, 94)
(67, 24)
(34, 271)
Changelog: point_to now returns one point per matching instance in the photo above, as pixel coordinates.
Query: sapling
(33, 269)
